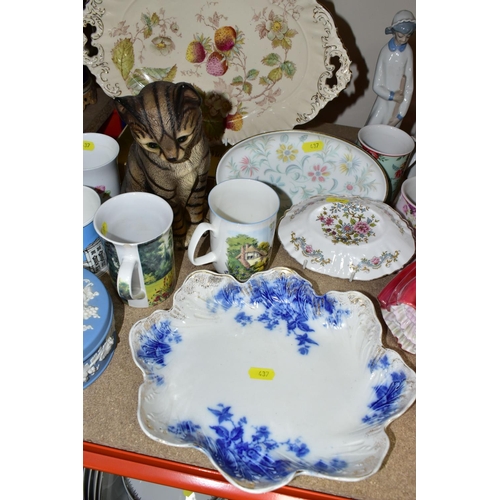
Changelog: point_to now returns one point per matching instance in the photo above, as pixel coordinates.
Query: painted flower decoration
(286, 153)
(247, 167)
(373, 153)
(277, 28)
(408, 209)
(361, 227)
(347, 223)
(349, 163)
(163, 44)
(319, 173)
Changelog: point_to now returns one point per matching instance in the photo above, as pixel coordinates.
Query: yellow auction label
(261, 373)
(307, 147)
(334, 199)
(187, 493)
(88, 146)
(104, 228)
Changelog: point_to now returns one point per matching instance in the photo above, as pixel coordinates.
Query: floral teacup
(392, 148)
(406, 203)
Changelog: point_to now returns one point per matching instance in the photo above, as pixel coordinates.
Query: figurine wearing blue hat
(393, 79)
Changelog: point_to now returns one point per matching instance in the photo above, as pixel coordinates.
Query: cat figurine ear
(126, 105)
(170, 155)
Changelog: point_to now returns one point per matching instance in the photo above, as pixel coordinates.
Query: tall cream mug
(100, 168)
(137, 232)
(391, 147)
(242, 214)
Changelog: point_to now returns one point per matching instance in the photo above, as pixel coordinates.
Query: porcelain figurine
(393, 79)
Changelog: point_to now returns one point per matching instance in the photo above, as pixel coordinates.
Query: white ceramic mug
(94, 256)
(392, 147)
(100, 169)
(137, 232)
(242, 214)
(406, 203)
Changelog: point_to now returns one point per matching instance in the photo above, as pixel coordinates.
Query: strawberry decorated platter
(259, 66)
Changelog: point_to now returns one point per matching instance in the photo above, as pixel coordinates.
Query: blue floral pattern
(259, 447)
(387, 395)
(289, 301)
(256, 457)
(156, 343)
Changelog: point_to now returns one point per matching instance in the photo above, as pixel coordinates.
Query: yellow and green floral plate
(300, 164)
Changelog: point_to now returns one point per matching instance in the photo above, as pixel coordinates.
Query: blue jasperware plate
(269, 379)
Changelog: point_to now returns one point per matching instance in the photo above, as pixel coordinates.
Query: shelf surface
(115, 443)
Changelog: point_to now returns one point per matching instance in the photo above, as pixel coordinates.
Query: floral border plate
(259, 65)
(269, 379)
(353, 237)
(302, 164)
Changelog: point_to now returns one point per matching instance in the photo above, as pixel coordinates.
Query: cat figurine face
(170, 156)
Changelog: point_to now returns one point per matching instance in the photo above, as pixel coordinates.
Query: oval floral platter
(352, 237)
(299, 164)
(259, 66)
(270, 380)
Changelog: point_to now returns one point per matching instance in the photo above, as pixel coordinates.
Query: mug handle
(193, 243)
(124, 280)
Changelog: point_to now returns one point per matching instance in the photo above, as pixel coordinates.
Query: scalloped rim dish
(347, 237)
(270, 380)
(259, 66)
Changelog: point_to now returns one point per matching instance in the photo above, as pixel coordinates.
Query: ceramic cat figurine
(170, 156)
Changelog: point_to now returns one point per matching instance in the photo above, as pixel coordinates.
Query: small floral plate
(301, 164)
(354, 238)
(269, 379)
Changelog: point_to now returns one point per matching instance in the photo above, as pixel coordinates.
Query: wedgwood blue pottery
(99, 334)
(270, 380)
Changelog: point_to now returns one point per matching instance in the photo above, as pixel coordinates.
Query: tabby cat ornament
(170, 155)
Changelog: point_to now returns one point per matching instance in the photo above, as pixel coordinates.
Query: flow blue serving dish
(269, 379)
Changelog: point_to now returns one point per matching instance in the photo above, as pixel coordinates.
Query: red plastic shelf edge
(184, 476)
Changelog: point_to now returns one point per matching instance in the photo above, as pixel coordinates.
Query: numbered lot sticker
(309, 147)
(88, 146)
(261, 373)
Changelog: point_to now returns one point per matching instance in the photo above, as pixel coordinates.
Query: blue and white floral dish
(301, 164)
(347, 237)
(270, 380)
